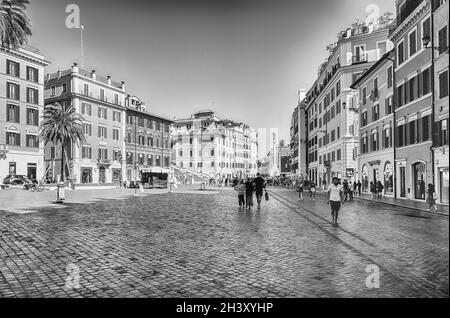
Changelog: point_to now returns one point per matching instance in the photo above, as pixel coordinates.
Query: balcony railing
(360, 58)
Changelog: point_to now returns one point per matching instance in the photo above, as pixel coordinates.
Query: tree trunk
(62, 162)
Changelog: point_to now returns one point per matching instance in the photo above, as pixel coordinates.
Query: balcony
(360, 58)
(104, 161)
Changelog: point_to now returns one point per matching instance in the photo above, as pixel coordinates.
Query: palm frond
(15, 27)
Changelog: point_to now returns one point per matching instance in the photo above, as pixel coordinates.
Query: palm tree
(15, 27)
(61, 125)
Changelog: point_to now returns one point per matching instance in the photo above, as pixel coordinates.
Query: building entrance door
(402, 182)
(101, 175)
(31, 171)
(419, 180)
(444, 185)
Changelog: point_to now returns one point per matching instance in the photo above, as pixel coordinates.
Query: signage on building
(349, 172)
(284, 164)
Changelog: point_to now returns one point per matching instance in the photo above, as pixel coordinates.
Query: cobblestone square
(193, 243)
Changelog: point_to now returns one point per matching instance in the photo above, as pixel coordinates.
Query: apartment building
(413, 105)
(215, 147)
(374, 100)
(101, 102)
(298, 137)
(440, 62)
(147, 143)
(332, 116)
(21, 104)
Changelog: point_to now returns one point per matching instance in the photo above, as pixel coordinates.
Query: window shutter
(384, 138)
(99, 132)
(420, 84)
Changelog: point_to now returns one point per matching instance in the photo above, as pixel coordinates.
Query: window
(376, 112)
(401, 136)
(413, 94)
(338, 154)
(338, 132)
(389, 77)
(363, 119)
(426, 78)
(333, 112)
(129, 158)
(364, 95)
(86, 109)
(12, 139)
(443, 84)
(150, 141)
(32, 96)
(412, 43)
(116, 99)
(443, 132)
(32, 74)
(102, 132)
(400, 53)
(102, 154)
(387, 140)
(338, 88)
(13, 113)
(374, 141)
(412, 132)
(102, 113)
(115, 134)
(382, 47)
(86, 89)
(149, 124)
(426, 27)
(212, 152)
(53, 91)
(333, 135)
(116, 116)
(64, 87)
(332, 94)
(102, 94)
(400, 96)
(32, 141)
(87, 129)
(86, 152)
(149, 160)
(333, 156)
(425, 128)
(32, 117)
(388, 106)
(13, 91)
(338, 107)
(116, 155)
(157, 125)
(12, 68)
(442, 40)
(141, 122)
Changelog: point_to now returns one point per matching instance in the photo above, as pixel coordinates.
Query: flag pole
(82, 52)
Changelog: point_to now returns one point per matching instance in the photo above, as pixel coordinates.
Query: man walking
(335, 199)
(260, 185)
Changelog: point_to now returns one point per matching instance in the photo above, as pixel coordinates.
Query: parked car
(16, 180)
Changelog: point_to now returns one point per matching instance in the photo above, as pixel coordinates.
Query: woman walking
(432, 196)
(249, 189)
(300, 191)
(312, 190)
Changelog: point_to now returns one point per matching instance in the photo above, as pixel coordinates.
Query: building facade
(21, 104)
(413, 105)
(214, 147)
(101, 102)
(332, 136)
(298, 137)
(441, 99)
(147, 143)
(374, 101)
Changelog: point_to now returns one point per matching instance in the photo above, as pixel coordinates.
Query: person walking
(380, 188)
(260, 185)
(335, 199)
(312, 190)
(351, 190)
(372, 189)
(300, 190)
(431, 199)
(345, 188)
(359, 187)
(240, 188)
(249, 188)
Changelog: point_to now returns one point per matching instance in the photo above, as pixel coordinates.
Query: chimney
(93, 76)
(109, 79)
(48, 77)
(122, 86)
(59, 73)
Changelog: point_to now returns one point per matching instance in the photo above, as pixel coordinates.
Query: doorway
(419, 180)
(402, 182)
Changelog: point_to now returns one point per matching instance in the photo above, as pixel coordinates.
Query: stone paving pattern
(199, 244)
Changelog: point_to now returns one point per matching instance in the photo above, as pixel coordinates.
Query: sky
(244, 59)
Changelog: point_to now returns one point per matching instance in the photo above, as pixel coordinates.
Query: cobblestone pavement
(199, 244)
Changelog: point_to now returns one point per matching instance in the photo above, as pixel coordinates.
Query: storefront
(365, 178)
(418, 174)
(444, 185)
(388, 179)
(154, 177)
(86, 175)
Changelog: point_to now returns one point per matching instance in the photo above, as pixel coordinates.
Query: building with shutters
(21, 104)
(214, 147)
(101, 102)
(413, 105)
(147, 144)
(373, 98)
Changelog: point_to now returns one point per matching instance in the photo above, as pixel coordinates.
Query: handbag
(266, 196)
(435, 196)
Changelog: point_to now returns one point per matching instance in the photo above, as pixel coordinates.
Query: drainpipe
(433, 126)
(394, 120)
